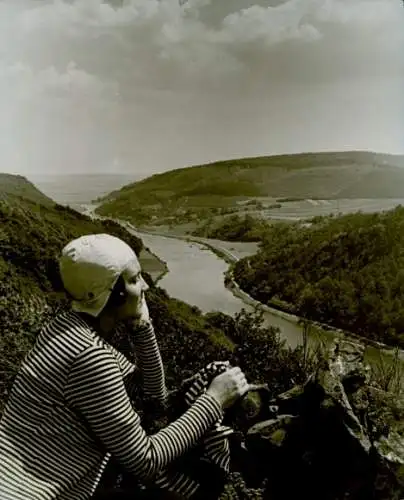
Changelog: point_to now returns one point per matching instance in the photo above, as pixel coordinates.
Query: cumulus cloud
(158, 84)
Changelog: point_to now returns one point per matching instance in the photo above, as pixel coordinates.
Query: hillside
(190, 192)
(17, 185)
(31, 237)
(345, 271)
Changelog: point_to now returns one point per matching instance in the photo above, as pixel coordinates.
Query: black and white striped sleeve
(96, 388)
(149, 362)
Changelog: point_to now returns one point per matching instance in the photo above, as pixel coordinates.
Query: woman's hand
(228, 387)
(141, 315)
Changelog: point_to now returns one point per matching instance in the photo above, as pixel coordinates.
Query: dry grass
(389, 373)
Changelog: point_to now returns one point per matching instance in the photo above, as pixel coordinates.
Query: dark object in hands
(254, 406)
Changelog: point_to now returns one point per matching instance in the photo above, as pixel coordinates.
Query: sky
(144, 86)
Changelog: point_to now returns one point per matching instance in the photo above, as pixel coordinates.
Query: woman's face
(135, 288)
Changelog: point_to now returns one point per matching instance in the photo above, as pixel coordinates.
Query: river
(196, 276)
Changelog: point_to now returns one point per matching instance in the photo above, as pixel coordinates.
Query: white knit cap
(90, 266)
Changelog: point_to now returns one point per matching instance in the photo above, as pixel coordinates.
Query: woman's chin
(129, 316)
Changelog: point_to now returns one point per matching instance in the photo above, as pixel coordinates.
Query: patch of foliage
(346, 271)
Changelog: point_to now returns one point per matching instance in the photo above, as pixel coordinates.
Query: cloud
(26, 84)
(158, 84)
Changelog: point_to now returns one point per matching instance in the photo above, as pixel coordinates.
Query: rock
(336, 401)
(335, 437)
(272, 431)
(346, 363)
(291, 401)
(386, 426)
(389, 466)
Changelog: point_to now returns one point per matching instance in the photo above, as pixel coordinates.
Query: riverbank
(232, 285)
(323, 331)
(153, 265)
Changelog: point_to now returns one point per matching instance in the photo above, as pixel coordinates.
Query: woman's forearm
(149, 361)
(95, 387)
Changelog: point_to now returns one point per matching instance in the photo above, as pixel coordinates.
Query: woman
(69, 411)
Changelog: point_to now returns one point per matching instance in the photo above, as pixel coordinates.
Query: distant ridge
(346, 174)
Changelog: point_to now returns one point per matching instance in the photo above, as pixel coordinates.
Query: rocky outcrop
(336, 437)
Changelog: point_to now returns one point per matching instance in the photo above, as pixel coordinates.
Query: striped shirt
(46, 452)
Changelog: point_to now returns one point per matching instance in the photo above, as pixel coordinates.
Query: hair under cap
(90, 266)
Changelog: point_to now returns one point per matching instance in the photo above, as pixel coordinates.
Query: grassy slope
(32, 235)
(17, 185)
(315, 175)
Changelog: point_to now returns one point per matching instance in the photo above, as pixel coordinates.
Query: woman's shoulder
(67, 326)
(68, 318)
(96, 346)
(71, 328)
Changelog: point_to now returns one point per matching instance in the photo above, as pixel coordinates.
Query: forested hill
(347, 271)
(311, 175)
(17, 185)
